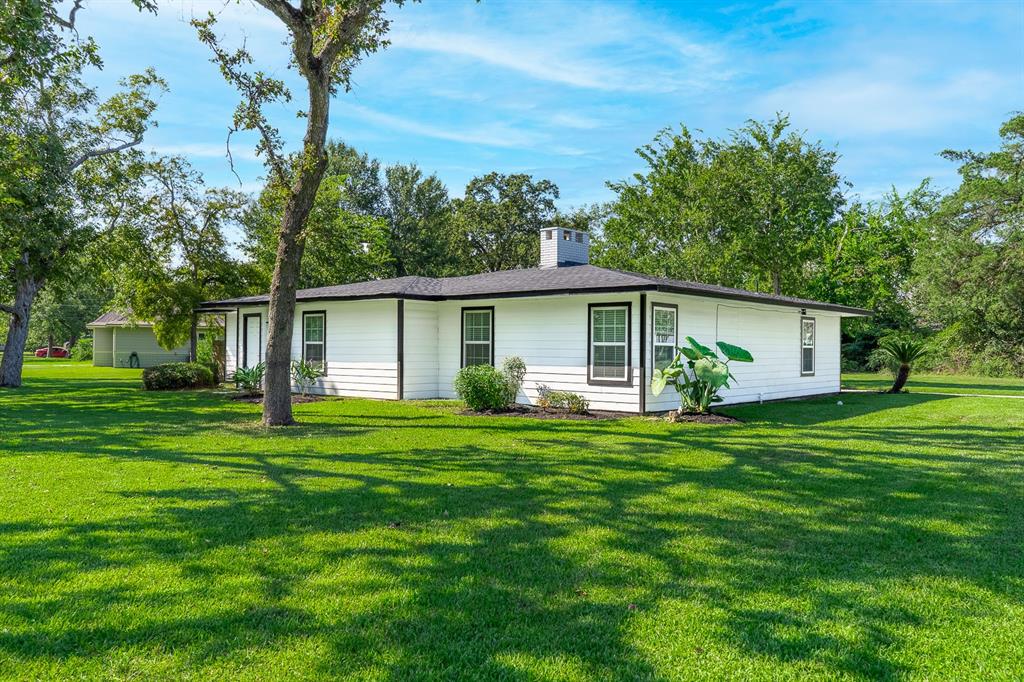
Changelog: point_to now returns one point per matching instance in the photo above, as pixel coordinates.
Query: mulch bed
(536, 413)
(296, 399)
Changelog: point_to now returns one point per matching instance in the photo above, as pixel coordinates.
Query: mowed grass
(165, 536)
(938, 383)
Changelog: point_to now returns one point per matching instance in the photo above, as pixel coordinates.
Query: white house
(594, 331)
(120, 342)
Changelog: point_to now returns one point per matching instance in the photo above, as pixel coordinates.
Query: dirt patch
(296, 399)
(536, 413)
(709, 418)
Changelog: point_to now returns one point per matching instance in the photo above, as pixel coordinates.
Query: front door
(252, 340)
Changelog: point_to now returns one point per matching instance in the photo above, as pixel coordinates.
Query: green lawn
(166, 536)
(938, 383)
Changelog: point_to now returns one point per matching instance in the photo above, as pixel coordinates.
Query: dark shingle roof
(531, 282)
(112, 319)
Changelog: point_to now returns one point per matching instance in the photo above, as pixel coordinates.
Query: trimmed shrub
(573, 403)
(82, 350)
(483, 388)
(172, 376)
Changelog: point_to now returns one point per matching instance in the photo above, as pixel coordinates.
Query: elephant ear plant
(698, 374)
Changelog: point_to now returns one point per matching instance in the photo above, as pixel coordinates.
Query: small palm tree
(902, 352)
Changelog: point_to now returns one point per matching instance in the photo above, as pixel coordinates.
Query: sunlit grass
(167, 536)
(938, 383)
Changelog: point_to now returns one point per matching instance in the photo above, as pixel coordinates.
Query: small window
(664, 336)
(579, 237)
(477, 336)
(566, 235)
(313, 338)
(548, 234)
(806, 345)
(609, 343)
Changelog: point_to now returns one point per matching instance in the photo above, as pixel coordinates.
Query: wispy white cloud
(492, 135)
(883, 99)
(206, 150)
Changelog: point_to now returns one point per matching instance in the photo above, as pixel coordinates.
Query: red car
(55, 352)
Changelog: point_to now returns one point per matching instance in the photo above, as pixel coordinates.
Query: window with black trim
(806, 345)
(664, 334)
(313, 338)
(477, 336)
(609, 343)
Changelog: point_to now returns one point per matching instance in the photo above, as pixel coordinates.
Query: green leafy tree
(775, 194)
(746, 211)
(495, 226)
(327, 40)
(170, 253)
(55, 134)
(969, 277)
(368, 222)
(662, 221)
(866, 260)
(418, 214)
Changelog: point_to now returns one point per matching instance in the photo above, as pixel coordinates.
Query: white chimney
(562, 246)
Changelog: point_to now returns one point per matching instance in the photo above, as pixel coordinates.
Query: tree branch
(103, 151)
(9, 309)
(284, 11)
(350, 26)
(68, 23)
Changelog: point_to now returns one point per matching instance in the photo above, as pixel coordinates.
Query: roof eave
(210, 306)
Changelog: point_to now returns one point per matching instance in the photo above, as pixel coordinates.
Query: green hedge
(172, 376)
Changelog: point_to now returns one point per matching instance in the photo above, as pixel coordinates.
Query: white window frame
(627, 370)
(804, 346)
(322, 314)
(655, 307)
(489, 343)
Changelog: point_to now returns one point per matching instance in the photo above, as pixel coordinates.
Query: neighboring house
(580, 328)
(117, 341)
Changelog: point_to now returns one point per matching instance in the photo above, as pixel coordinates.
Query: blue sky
(568, 90)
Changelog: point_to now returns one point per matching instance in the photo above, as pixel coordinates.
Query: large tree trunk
(776, 284)
(17, 332)
(277, 397)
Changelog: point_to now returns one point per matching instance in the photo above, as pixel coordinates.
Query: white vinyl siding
(477, 340)
(313, 338)
(806, 345)
(663, 337)
(771, 334)
(609, 343)
(360, 347)
(550, 334)
(420, 350)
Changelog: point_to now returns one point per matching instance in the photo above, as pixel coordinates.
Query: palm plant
(903, 353)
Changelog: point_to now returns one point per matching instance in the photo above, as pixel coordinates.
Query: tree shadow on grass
(521, 556)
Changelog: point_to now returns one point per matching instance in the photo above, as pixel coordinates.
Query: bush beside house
(173, 376)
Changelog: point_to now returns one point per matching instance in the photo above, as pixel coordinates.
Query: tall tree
(53, 131)
(662, 222)
(328, 38)
(745, 211)
(495, 226)
(418, 214)
(775, 193)
(171, 254)
(970, 274)
(342, 243)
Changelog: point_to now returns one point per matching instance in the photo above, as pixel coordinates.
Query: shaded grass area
(158, 536)
(938, 383)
